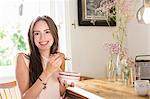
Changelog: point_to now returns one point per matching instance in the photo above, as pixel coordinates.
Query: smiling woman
(38, 73)
(13, 31)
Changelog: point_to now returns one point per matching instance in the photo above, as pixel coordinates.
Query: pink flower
(114, 48)
(130, 62)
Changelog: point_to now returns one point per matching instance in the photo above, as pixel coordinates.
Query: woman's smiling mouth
(43, 43)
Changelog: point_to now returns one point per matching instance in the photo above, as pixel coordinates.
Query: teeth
(43, 43)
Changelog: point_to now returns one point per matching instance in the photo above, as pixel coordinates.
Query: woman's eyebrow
(36, 31)
(47, 30)
(40, 31)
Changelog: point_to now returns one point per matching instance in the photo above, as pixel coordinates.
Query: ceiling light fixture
(143, 14)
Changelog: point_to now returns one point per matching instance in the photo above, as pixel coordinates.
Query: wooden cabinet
(73, 95)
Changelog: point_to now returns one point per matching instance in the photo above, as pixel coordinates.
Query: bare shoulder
(22, 61)
(22, 56)
(61, 54)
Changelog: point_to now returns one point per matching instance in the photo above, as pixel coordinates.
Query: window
(15, 18)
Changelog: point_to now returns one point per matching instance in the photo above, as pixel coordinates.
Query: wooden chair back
(9, 90)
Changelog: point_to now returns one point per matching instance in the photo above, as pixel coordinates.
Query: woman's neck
(45, 54)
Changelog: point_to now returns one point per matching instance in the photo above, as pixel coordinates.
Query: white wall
(87, 43)
(88, 54)
(138, 38)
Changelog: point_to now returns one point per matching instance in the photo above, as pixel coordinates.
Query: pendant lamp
(143, 14)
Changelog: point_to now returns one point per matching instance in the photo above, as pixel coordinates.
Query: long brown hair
(35, 65)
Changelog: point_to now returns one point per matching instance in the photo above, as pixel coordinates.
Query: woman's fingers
(68, 85)
(56, 59)
(72, 84)
(53, 57)
(55, 62)
(65, 83)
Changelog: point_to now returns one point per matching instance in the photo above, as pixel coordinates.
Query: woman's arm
(22, 76)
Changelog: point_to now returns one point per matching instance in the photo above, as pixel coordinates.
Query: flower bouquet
(120, 66)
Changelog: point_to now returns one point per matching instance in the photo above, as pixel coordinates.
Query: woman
(37, 72)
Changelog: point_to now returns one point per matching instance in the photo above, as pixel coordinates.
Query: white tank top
(52, 89)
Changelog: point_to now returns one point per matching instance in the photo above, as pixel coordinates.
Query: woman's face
(42, 36)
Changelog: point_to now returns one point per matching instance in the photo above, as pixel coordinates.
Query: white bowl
(69, 77)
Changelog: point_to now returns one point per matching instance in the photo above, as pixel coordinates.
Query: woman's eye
(36, 33)
(47, 32)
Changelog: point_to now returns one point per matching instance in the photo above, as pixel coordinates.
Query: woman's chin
(44, 48)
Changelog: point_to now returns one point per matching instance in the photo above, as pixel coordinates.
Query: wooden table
(106, 89)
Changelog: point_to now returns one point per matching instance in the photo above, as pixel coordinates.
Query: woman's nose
(42, 36)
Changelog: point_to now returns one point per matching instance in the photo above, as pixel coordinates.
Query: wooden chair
(9, 90)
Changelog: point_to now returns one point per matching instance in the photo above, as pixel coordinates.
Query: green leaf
(2, 34)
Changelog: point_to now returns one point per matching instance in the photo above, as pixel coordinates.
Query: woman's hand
(68, 85)
(54, 63)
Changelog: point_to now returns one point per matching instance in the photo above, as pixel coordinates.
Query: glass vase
(111, 71)
(114, 68)
(118, 68)
(126, 75)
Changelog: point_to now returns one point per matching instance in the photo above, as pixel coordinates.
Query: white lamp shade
(143, 14)
(146, 15)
